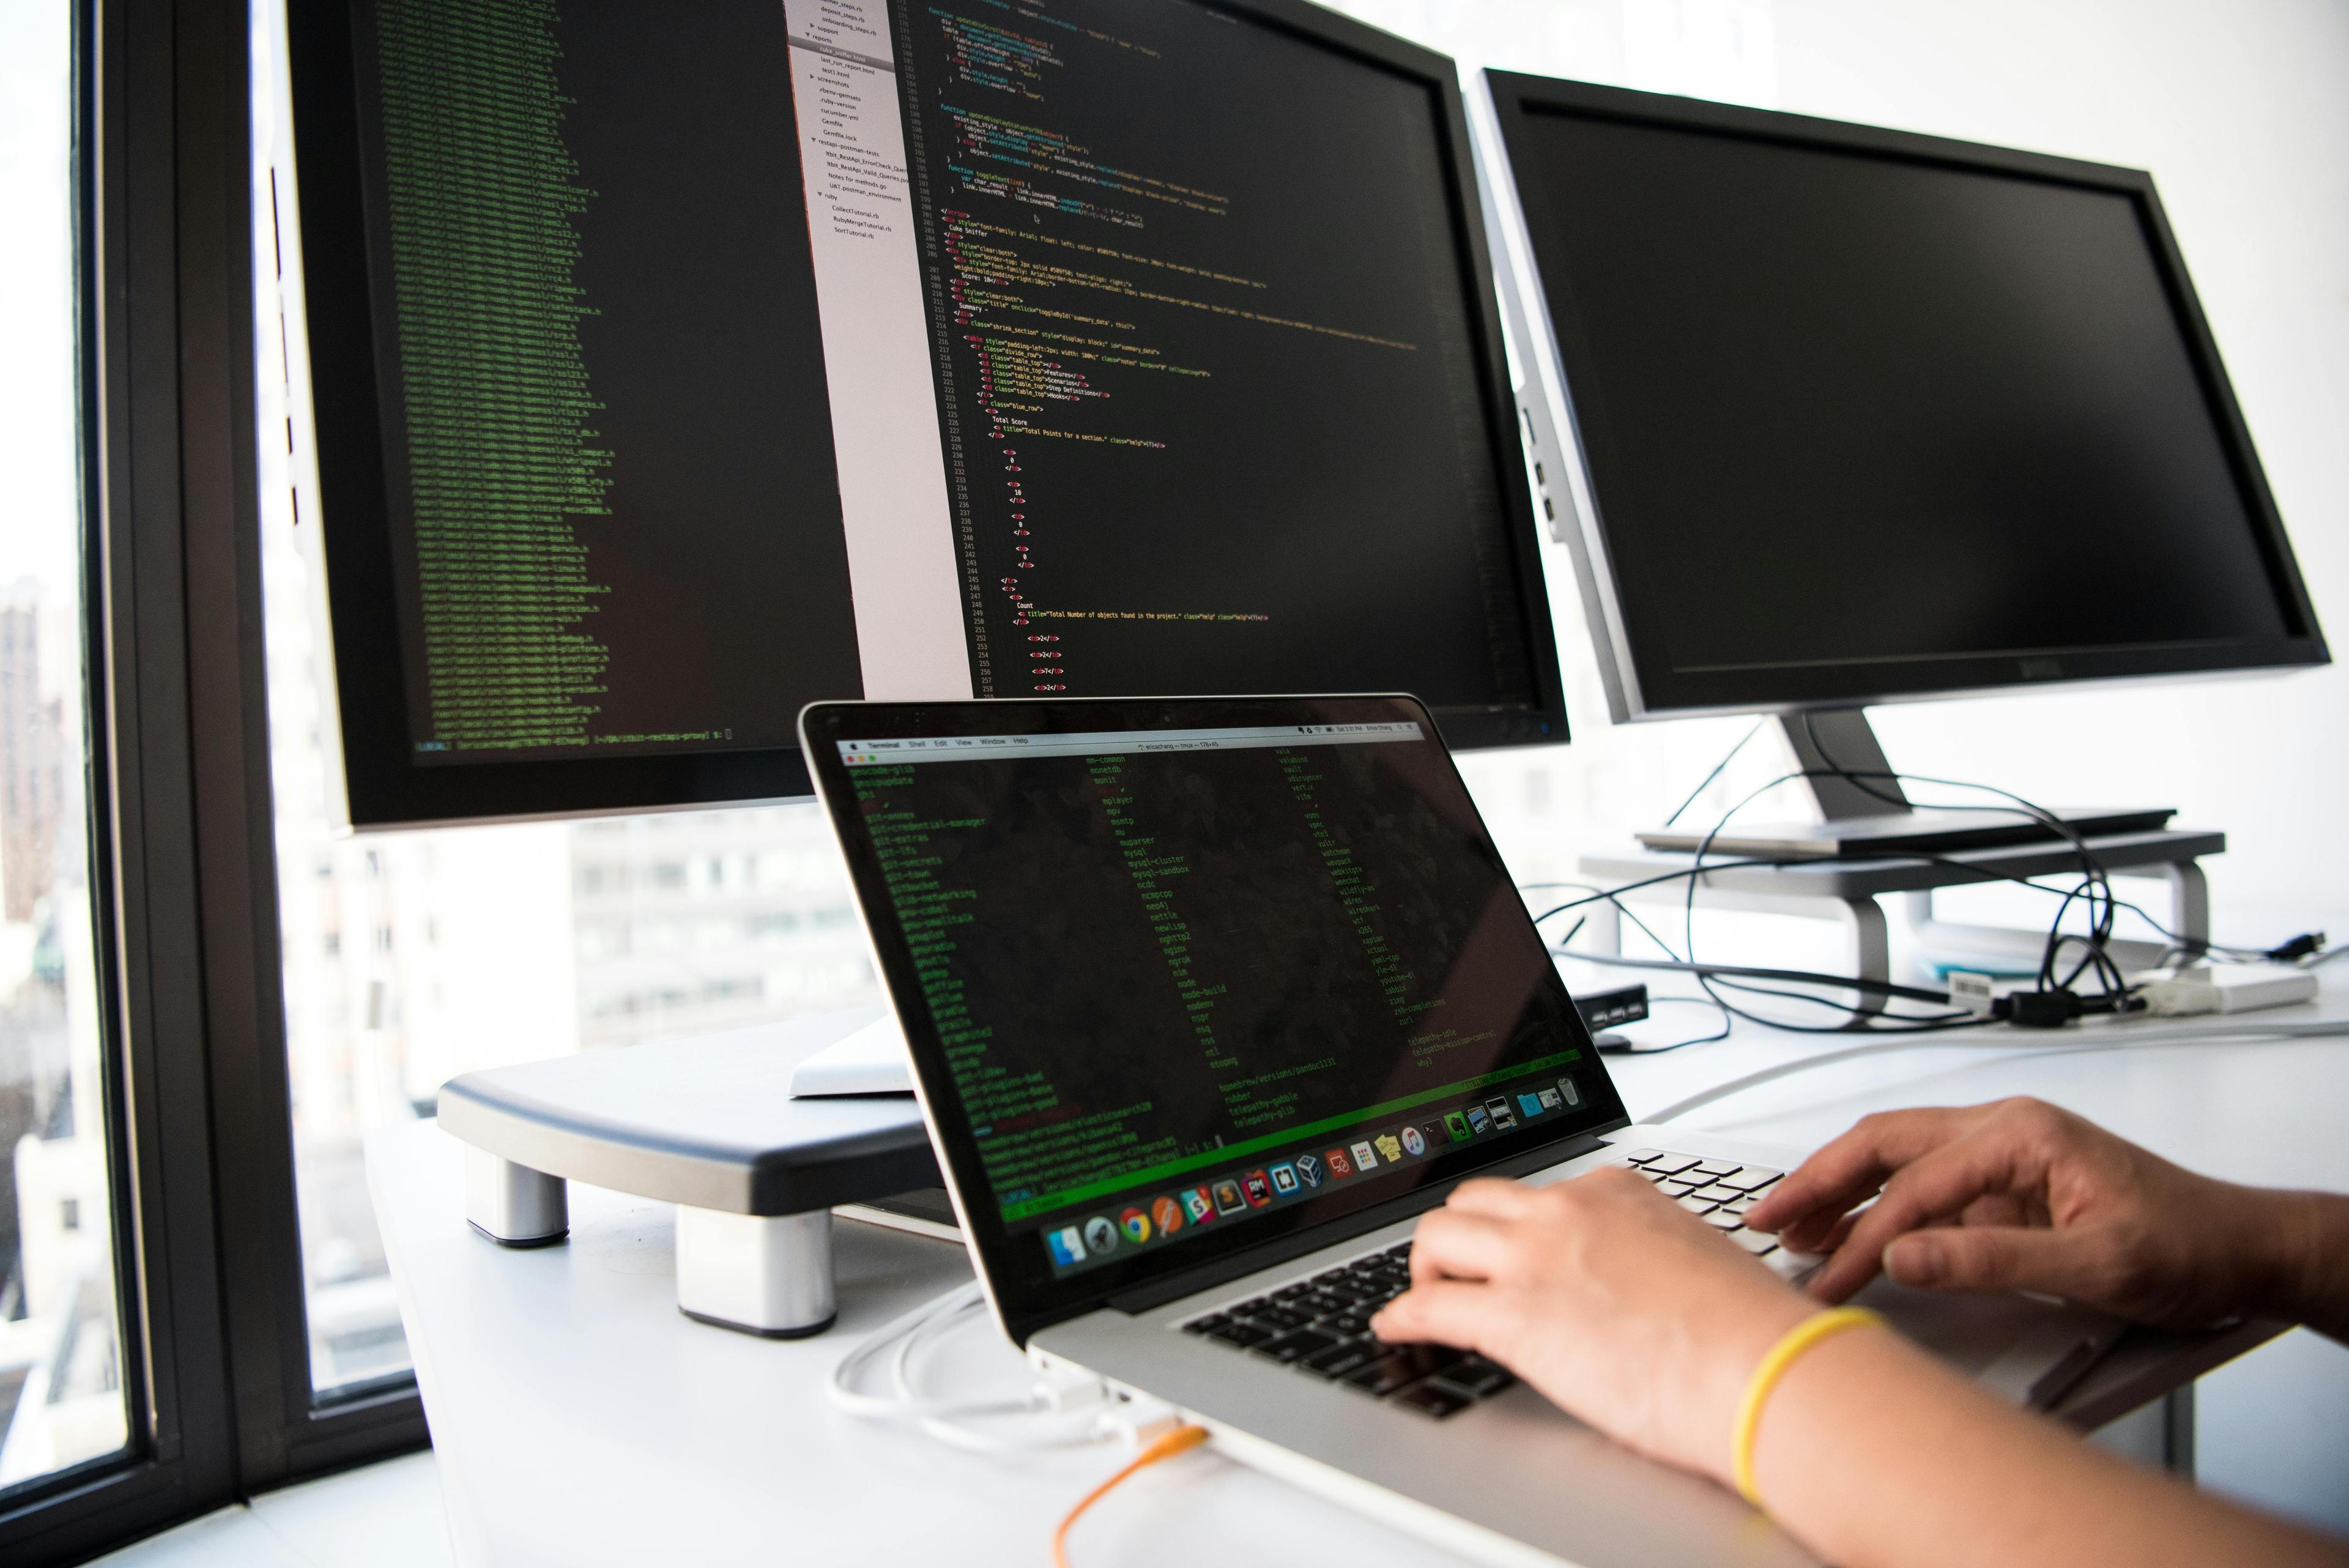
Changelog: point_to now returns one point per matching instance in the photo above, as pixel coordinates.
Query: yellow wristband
(1783, 1355)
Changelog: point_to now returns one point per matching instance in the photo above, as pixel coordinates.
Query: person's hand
(2020, 1195)
(1601, 1292)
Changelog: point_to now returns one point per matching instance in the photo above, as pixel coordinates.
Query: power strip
(2188, 989)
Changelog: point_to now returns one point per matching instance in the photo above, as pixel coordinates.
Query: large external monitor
(675, 368)
(1833, 415)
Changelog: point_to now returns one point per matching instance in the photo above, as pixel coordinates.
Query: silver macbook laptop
(1207, 999)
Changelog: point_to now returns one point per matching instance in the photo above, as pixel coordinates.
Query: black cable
(2179, 943)
(2096, 880)
(1802, 977)
(1628, 1049)
(1612, 894)
(2095, 889)
(1728, 757)
(2091, 866)
(1704, 972)
(2094, 874)
(1627, 912)
(1984, 874)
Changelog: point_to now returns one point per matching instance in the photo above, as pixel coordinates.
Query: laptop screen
(1182, 977)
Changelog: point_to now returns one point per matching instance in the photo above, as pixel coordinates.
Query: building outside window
(61, 1371)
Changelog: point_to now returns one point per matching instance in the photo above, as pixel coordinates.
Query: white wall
(2240, 112)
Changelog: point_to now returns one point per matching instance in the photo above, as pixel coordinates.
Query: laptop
(1206, 1001)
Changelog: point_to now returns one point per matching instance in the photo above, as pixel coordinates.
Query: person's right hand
(2020, 1195)
(1604, 1295)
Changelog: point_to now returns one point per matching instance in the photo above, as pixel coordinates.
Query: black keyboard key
(1382, 1376)
(1206, 1324)
(1479, 1377)
(1343, 1358)
(1240, 1333)
(1250, 1305)
(1321, 1304)
(1280, 1317)
(1432, 1398)
(1423, 1360)
(1295, 1346)
(1290, 1293)
(1332, 1277)
(1345, 1322)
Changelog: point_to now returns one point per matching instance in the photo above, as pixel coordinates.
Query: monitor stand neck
(1841, 738)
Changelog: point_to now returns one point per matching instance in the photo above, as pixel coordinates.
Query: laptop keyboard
(1719, 1192)
(1321, 1328)
(1321, 1325)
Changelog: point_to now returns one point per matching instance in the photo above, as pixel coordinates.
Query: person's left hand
(1601, 1292)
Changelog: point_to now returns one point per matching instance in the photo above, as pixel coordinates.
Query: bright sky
(37, 500)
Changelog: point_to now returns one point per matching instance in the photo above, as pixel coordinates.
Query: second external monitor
(672, 370)
(1852, 415)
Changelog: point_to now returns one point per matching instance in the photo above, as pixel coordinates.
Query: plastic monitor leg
(513, 1205)
(767, 1275)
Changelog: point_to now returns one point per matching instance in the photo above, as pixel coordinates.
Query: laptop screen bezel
(1025, 1295)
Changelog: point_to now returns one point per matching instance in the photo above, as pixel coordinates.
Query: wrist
(1739, 1355)
(2304, 1251)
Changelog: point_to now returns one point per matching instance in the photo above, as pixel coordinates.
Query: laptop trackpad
(2027, 1351)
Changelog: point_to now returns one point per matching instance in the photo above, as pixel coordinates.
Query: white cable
(901, 1339)
(2280, 1030)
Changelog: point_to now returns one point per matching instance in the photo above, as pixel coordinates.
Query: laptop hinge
(1156, 1294)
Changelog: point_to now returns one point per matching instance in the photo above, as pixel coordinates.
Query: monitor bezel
(1568, 425)
(1544, 720)
(380, 784)
(1024, 1296)
(375, 782)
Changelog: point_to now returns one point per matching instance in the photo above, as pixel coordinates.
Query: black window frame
(216, 1375)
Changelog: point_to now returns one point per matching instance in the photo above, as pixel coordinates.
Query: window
(61, 1371)
(410, 958)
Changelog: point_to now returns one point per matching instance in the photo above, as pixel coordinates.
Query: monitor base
(1907, 832)
(1865, 813)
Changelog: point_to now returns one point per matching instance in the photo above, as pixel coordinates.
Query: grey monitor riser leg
(1952, 941)
(513, 1205)
(768, 1275)
(765, 1274)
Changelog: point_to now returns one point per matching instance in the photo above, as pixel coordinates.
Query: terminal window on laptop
(1182, 980)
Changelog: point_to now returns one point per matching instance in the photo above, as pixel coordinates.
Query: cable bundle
(2054, 999)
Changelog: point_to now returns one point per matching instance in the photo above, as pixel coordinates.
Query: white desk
(581, 1420)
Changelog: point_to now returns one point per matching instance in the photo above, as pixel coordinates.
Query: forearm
(2311, 1235)
(1877, 1457)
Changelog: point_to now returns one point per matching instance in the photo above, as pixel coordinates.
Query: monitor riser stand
(1869, 847)
(1864, 811)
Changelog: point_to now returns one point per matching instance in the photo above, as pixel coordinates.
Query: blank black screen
(1846, 408)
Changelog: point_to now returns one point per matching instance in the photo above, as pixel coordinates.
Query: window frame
(215, 1366)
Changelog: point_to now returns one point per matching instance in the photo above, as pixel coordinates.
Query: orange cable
(1166, 1447)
